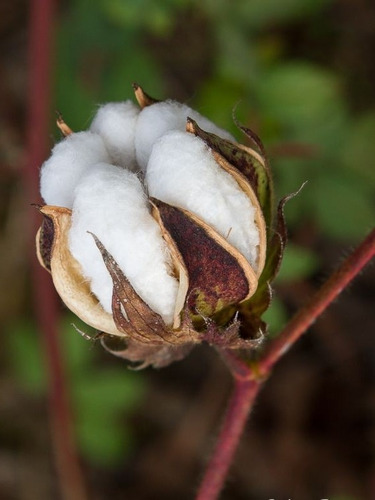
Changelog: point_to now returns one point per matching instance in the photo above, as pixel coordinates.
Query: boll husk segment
(156, 231)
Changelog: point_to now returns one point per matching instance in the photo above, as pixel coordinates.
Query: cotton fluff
(69, 161)
(157, 119)
(115, 123)
(182, 171)
(110, 202)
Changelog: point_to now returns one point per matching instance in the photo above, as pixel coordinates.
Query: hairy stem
(45, 303)
(244, 394)
(306, 316)
(249, 379)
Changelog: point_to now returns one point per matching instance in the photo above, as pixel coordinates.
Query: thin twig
(244, 394)
(46, 307)
(306, 316)
(249, 378)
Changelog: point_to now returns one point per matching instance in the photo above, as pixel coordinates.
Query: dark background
(302, 74)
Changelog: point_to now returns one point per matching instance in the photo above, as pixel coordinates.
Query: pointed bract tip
(143, 99)
(191, 125)
(64, 128)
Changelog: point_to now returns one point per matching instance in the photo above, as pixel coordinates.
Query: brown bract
(53, 253)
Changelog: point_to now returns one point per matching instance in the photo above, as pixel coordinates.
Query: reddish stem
(304, 318)
(46, 306)
(249, 379)
(238, 410)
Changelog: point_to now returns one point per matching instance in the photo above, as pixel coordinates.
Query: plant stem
(249, 380)
(45, 303)
(244, 394)
(306, 316)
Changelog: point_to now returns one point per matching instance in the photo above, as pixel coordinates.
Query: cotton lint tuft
(110, 202)
(115, 123)
(155, 120)
(182, 171)
(69, 161)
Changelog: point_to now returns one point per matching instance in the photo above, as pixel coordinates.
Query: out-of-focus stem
(46, 306)
(249, 377)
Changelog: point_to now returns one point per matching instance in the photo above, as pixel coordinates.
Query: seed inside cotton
(110, 202)
(155, 120)
(115, 123)
(69, 161)
(183, 172)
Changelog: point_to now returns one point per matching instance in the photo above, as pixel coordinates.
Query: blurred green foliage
(103, 397)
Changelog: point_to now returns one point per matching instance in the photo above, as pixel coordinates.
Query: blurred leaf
(25, 357)
(100, 399)
(102, 396)
(342, 208)
(258, 14)
(298, 263)
(276, 316)
(158, 17)
(79, 353)
(136, 66)
(105, 392)
(237, 59)
(358, 149)
(219, 91)
(304, 99)
(102, 442)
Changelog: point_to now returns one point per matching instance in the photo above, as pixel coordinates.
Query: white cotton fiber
(110, 202)
(70, 159)
(115, 123)
(157, 119)
(182, 171)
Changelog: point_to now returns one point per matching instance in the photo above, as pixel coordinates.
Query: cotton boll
(182, 171)
(110, 202)
(115, 123)
(157, 119)
(69, 161)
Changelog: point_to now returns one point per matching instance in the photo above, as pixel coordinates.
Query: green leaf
(225, 92)
(298, 263)
(25, 357)
(342, 208)
(102, 442)
(79, 353)
(106, 392)
(305, 99)
(357, 152)
(258, 14)
(276, 317)
(102, 399)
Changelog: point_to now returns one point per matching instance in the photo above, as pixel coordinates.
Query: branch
(238, 410)
(307, 315)
(249, 378)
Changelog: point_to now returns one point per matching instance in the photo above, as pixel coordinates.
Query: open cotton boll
(182, 171)
(115, 123)
(69, 161)
(157, 119)
(110, 202)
